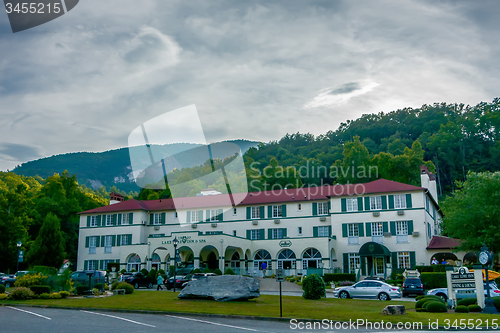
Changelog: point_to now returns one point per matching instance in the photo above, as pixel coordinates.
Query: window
(105, 263)
(277, 233)
(92, 243)
(213, 215)
(93, 221)
(156, 218)
(401, 232)
(376, 203)
(322, 208)
(108, 241)
(126, 240)
(354, 262)
(429, 230)
(277, 211)
(352, 204)
(299, 231)
(255, 213)
(125, 219)
(234, 211)
(194, 216)
(377, 232)
(353, 233)
(400, 201)
(427, 203)
(92, 265)
(403, 259)
(109, 220)
(234, 232)
(176, 215)
(255, 234)
(299, 207)
(324, 231)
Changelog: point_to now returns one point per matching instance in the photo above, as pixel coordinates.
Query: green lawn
(264, 306)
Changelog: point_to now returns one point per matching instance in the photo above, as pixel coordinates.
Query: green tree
(48, 248)
(472, 212)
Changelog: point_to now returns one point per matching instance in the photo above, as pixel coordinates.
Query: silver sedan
(369, 289)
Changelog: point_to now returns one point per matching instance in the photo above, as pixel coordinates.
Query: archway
(186, 264)
(209, 257)
(155, 261)
(261, 257)
(470, 258)
(287, 260)
(311, 261)
(134, 262)
(448, 257)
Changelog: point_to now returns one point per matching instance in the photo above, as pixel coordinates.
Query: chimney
(428, 181)
(115, 198)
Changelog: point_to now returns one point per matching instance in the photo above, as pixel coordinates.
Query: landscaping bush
(99, 286)
(420, 310)
(2, 289)
(162, 272)
(430, 297)
(313, 286)
(335, 277)
(152, 276)
(30, 280)
(474, 308)
(64, 294)
(195, 271)
(217, 271)
(144, 272)
(207, 270)
(3, 296)
(496, 300)
(113, 285)
(229, 271)
(421, 303)
(116, 265)
(44, 296)
(467, 301)
(123, 271)
(434, 306)
(80, 290)
(96, 292)
(461, 309)
(21, 293)
(40, 289)
(422, 269)
(129, 289)
(55, 296)
(45, 270)
(433, 280)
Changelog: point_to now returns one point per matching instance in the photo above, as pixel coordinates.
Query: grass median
(264, 306)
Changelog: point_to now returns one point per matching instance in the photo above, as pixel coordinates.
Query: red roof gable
(440, 242)
(264, 197)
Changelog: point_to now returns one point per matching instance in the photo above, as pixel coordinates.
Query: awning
(374, 249)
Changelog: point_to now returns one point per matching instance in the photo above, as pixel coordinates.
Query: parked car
(81, 277)
(137, 279)
(375, 278)
(197, 276)
(179, 281)
(369, 289)
(443, 292)
(8, 280)
(413, 286)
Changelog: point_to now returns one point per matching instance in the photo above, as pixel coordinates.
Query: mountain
(108, 168)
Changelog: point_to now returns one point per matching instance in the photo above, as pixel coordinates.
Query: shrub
(422, 269)
(123, 271)
(195, 271)
(129, 289)
(30, 280)
(421, 302)
(462, 309)
(64, 294)
(434, 306)
(96, 292)
(313, 286)
(474, 308)
(55, 296)
(433, 280)
(229, 271)
(152, 275)
(496, 300)
(99, 286)
(44, 296)
(335, 277)
(45, 270)
(217, 271)
(3, 296)
(467, 301)
(2, 289)
(80, 290)
(113, 285)
(144, 272)
(207, 270)
(21, 293)
(40, 289)
(420, 310)
(430, 297)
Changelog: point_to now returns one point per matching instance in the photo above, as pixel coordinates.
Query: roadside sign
(463, 285)
(280, 275)
(21, 256)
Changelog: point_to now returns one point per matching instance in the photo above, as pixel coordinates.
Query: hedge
(433, 280)
(313, 286)
(461, 309)
(474, 308)
(38, 290)
(467, 301)
(2, 289)
(335, 277)
(433, 306)
(81, 289)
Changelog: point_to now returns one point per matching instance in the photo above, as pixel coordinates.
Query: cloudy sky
(254, 69)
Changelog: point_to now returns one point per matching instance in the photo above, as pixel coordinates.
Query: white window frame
(299, 207)
(108, 242)
(109, 220)
(322, 208)
(323, 231)
(352, 204)
(93, 221)
(92, 265)
(376, 202)
(105, 263)
(404, 259)
(352, 233)
(156, 218)
(213, 215)
(255, 234)
(401, 231)
(255, 213)
(276, 233)
(377, 232)
(92, 244)
(354, 261)
(125, 219)
(194, 216)
(299, 231)
(277, 211)
(124, 240)
(400, 201)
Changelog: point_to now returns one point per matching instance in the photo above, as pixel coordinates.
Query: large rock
(222, 288)
(394, 310)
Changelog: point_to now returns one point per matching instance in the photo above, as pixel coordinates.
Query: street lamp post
(19, 244)
(175, 242)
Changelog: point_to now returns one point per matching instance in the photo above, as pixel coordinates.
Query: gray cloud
(17, 152)
(346, 88)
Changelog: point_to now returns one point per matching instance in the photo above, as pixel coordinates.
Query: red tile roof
(264, 197)
(441, 242)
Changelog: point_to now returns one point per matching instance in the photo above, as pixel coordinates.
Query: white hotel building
(367, 228)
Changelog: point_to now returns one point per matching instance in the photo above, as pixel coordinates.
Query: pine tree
(48, 248)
